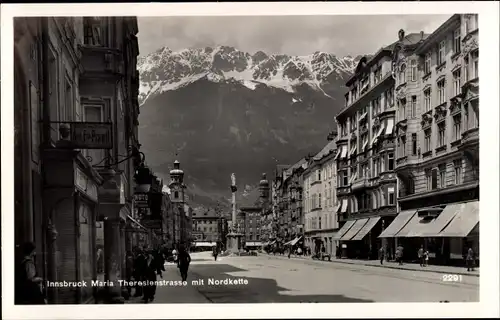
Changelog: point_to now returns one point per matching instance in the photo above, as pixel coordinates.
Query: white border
(488, 66)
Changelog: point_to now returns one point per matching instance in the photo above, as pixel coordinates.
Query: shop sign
(141, 200)
(85, 184)
(91, 135)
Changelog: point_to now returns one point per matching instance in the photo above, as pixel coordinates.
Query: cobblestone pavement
(266, 279)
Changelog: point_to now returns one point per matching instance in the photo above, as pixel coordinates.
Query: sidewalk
(168, 294)
(392, 265)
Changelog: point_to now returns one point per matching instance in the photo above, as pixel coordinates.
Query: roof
(410, 39)
(292, 168)
(332, 145)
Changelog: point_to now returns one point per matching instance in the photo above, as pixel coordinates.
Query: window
(389, 102)
(402, 74)
(390, 160)
(402, 146)
(94, 113)
(413, 70)
(176, 194)
(377, 74)
(414, 144)
(442, 176)
(457, 41)
(427, 63)
(427, 100)
(410, 189)
(382, 164)
(457, 165)
(402, 109)
(428, 179)
(475, 64)
(457, 85)
(427, 140)
(413, 106)
(93, 33)
(434, 179)
(390, 196)
(345, 178)
(441, 91)
(457, 127)
(319, 222)
(68, 101)
(466, 69)
(441, 53)
(319, 175)
(441, 134)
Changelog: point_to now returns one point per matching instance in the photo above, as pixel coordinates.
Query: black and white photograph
(314, 156)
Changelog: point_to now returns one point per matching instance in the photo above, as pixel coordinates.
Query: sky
(293, 35)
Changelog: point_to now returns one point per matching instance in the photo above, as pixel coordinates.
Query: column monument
(234, 236)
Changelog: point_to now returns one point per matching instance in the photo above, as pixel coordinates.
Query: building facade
(320, 199)
(206, 226)
(183, 212)
(74, 74)
(367, 184)
(437, 128)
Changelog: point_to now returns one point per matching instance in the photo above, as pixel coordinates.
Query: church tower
(176, 185)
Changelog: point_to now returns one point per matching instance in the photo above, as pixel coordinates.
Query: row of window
(315, 223)
(327, 172)
(437, 178)
(314, 201)
(373, 199)
(379, 164)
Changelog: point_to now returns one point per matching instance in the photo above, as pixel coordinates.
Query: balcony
(346, 190)
(101, 62)
(470, 138)
(359, 184)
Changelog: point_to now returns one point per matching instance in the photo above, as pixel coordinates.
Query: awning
(253, 244)
(294, 241)
(415, 227)
(353, 177)
(366, 228)
(337, 208)
(205, 244)
(466, 219)
(378, 134)
(390, 126)
(136, 222)
(442, 220)
(398, 223)
(344, 206)
(363, 116)
(353, 149)
(358, 225)
(344, 152)
(344, 229)
(364, 146)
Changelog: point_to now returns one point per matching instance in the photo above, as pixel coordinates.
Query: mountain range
(221, 110)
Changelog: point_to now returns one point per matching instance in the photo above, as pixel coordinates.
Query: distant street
(272, 279)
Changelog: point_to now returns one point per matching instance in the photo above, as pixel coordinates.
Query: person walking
(129, 271)
(183, 262)
(150, 270)
(381, 255)
(139, 270)
(174, 255)
(470, 260)
(421, 256)
(426, 258)
(215, 253)
(399, 255)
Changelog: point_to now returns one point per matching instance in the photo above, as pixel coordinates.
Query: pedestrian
(426, 258)
(215, 253)
(183, 262)
(299, 251)
(381, 255)
(150, 270)
(129, 271)
(174, 254)
(399, 255)
(139, 271)
(28, 286)
(470, 260)
(421, 258)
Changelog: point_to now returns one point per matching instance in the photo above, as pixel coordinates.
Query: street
(278, 279)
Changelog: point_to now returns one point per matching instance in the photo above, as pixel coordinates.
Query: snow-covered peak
(165, 69)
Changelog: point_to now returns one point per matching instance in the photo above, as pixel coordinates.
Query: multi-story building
(178, 197)
(320, 199)
(293, 194)
(367, 184)
(437, 128)
(206, 226)
(279, 202)
(72, 75)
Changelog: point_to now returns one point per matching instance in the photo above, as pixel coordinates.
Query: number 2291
(452, 277)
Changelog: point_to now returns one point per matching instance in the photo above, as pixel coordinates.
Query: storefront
(70, 202)
(446, 231)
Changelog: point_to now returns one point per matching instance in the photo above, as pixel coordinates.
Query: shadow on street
(258, 290)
